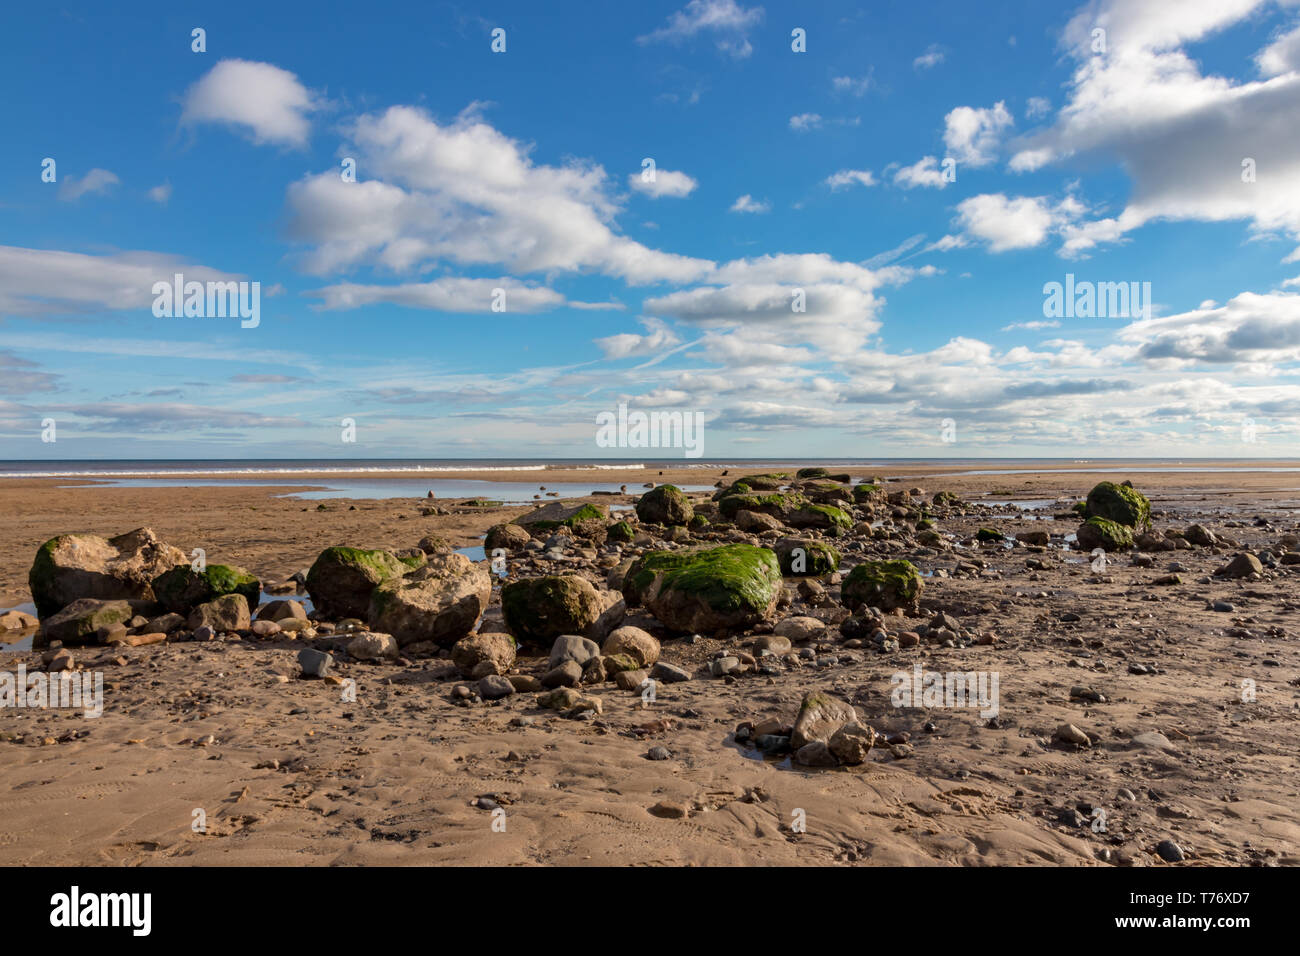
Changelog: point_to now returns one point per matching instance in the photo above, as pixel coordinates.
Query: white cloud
(850, 177)
(658, 337)
(95, 181)
(1032, 326)
(729, 22)
(805, 121)
(972, 135)
(1037, 107)
(933, 56)
(443, 295)
(666, 182)
(748, 203)
(853, 85)
(925, 172)
(161, 193)
(270, 102)
(1006, 223)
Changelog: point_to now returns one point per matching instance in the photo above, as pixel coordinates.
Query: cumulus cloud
(658, 337)
(851, 177)
(932, 56)
(972, 135)
(95, 181)
(666, 182)
(805, 121)
(1006, 223)
(728, 22)
(748, 203)
(270, 103)
(925, 172)
(443, 295)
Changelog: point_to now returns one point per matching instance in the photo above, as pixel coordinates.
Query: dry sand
(295, 775)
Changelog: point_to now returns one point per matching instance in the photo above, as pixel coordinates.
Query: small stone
(1070, 734)
(1169, 851)
(658, 753)
(494, 687)
(314, 663)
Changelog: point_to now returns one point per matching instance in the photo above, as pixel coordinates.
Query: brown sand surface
(293, 774)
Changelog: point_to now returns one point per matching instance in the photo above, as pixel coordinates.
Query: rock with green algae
(868, 492)
(989, 534)
(883, 584)
(182, 589)
(1105, 534)
(541, 609)
(666, 505)
(777, 504)
(74, 566)
(80, 621)
(812, 473)
(1122, 504)
(341, 579)
(826, 517)
(619, 531)
(585, 521)
(802, 557)
(733, 586)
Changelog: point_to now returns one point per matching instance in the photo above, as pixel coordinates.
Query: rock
(1198, 534)
(669, 673)
(613, 610)
(755, 522)
(593, 672)
(723, 666)
(81, 621)
(669, 811)
(570, 647)
(281, 611)
(1070, 734)
(17, 621)
(815, 754)
(1169, 851)
(511, 537)
(778, 644)
(1152, 740)
(181, 589)
(582, 521)
(1241, 566)
(441, 601)
(341, 580)
(820, 716)
(372, 646)
(886, 585)
(1035, 538)
(483, 654)
(826, 517)
(1122, 504)
(565, 674)
(852, 743)
(658, 753)
(733, 586)
(58, 659)
(630, 680)
(227, 613)
(541, 609)
(634, 642)
(265, 628)
(314, 663)
(806, 556)
(1105, 534)
(800, 629)
(494, 687)
(568, 699)
(665, 505)
(74, 566)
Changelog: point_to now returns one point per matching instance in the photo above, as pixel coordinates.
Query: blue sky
(1114, 156)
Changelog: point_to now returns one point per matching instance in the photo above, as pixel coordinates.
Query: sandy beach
(283, 771)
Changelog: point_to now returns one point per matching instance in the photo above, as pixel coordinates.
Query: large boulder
(806, 556)
(777, 504)
(664, 505)
(481, 655)
(1104, 534)
(510, 537)
(440, 601)
(227, 613)
(75, 566)
(1122, 504)
(883, 584)
(734, 586)
(341, 579)
(584, 521)
(541, 609)
(182, 588)
(81, 620)
(1241, 566)
(826, 517)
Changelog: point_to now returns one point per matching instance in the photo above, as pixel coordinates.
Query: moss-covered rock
(1105, 534)
(812, 473)
(341, 579)
(1122, 504)
(586, 521)
(945, 498)
(79, 622)
(182, 589)
(74, 566)
(619, 531)
(776, 504)
(826, 517)
(732, 586)
(439, 602)
(541, 609)
(666, 505)
(988, 534)
(867, 492)
(883, 584)
(752, 483)
(698, 523)
(806, 557)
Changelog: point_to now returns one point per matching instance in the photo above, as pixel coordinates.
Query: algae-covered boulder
(80, 621)
(585, 521)
(812, 473)
(1101, 533)
(806, 556)
(867, 492)
(507, 536)
(1122, 504)
(988, 535)
(750, 483)
(883, 584)
(341, 579)
(440, 601)
(733, 586)
(619, 531)
(664, 505)
(182, 588)
(542, 609)
(826, 517)
(776, 504)
(75, 566)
